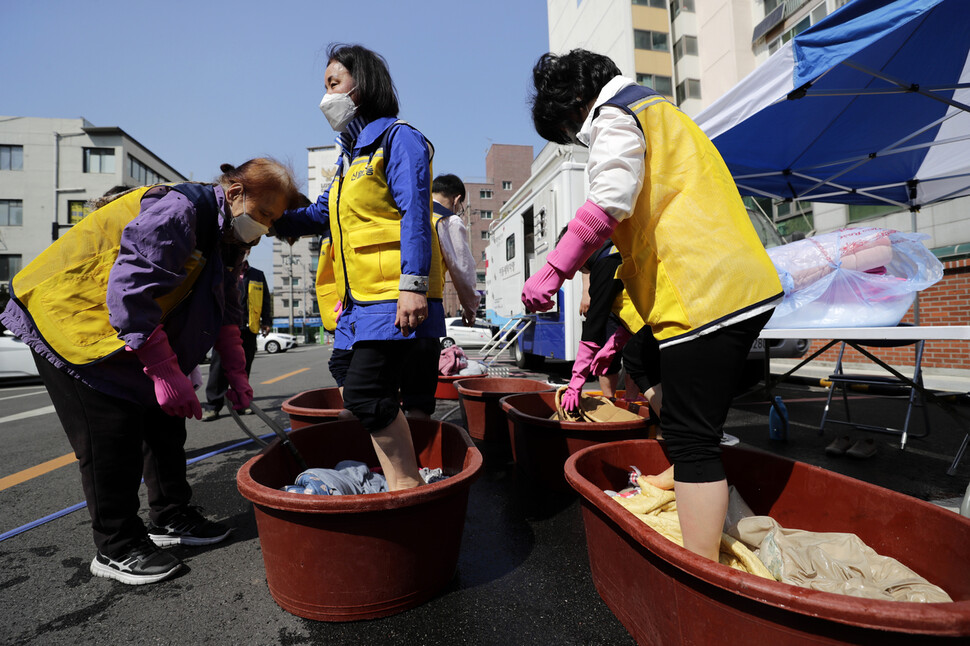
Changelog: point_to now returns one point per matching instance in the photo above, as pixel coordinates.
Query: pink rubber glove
(586, 233)
(173, 389)
(339, 309)
(233, 359)
(584, 355)
(603, 359)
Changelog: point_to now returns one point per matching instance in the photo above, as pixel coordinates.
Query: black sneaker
(143, 563)
(188, 527)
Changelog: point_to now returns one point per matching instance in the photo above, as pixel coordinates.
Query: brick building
(507, 167)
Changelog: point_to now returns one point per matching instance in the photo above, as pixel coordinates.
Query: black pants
(217, 384)
(382, 372)
(117, 442)
(641, 358)
(698, 378)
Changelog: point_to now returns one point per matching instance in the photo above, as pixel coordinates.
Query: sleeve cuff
(413, 283)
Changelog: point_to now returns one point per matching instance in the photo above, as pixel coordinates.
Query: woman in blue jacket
(387, 267)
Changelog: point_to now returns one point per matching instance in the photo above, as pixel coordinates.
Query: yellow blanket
(658, 509)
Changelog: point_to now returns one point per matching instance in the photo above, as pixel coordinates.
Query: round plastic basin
(480, 407)
(313, 407)
(540, 445)
(446, 386)
(664, 594)
(344, 558)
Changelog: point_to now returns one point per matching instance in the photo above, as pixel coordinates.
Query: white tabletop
(871, 333)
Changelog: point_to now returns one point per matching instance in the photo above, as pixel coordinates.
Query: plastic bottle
(778, 421)
(965, 506)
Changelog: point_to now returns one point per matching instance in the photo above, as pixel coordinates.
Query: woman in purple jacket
(118, 312)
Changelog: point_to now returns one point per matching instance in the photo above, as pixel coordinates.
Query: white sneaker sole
(107, 572)
(166, 541)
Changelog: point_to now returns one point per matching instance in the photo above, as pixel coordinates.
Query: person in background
(118, 312)
(387, 269)
(693, 264)
(448, 193)
(257, 308)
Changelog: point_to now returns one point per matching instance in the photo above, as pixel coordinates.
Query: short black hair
(449, 186)
(563, 86)
(376, 94)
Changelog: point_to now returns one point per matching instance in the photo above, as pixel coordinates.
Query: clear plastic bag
(864, 277)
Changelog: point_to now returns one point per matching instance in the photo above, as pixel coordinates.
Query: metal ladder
(501, 341)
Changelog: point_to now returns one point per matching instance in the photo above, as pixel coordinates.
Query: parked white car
(274, 342)
(16, 361)
(457, 333)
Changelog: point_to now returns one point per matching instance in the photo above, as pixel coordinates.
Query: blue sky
(205, 82)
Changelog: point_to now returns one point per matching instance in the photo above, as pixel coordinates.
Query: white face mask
(339, 109)
(245, 228)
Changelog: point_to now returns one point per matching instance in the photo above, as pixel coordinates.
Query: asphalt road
(523, 576)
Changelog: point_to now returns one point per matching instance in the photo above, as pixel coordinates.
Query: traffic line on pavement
(280, 378)
(42, 391)
(31, 413)
(39, 470)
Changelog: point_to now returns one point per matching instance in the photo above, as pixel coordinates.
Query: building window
(652, 40)
(685, 46)
(484, 256)
(813, 17)
(506, 185)
(676, 6)
(99, 160)
(688, 89)
(793, 217)
(143, 174)
(11, 213)
(510, 247)
(659, 4)
(76, 210)
(486, 215)
(861, 212)
(485, 194)
(480, 277)
(11, 157)
(484, 235)
(9, 266)
(662, 84)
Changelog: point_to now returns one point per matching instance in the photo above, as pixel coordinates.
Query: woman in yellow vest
(692, 262)
(118, 312)
(387, 267)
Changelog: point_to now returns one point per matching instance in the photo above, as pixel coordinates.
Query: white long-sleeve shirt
(453, 238)
(617, 150)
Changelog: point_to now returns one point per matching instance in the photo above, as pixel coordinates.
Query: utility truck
(527, 229)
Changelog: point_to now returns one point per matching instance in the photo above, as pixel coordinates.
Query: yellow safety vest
(366, 230)
(326, 287)
(64, 289)
(255, 296)
(691, 257)
(627, 312)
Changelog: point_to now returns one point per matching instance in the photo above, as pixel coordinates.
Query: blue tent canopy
(869, 106)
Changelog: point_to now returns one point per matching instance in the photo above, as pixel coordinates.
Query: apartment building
(50, 168)
(507, 168)
(295, 266)
(710, 45)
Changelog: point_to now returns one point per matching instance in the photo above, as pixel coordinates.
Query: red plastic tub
(313, 407)
(446, 386)
(480, 407)
(344, 558)
(664, 594)
(540, 445)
